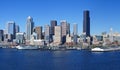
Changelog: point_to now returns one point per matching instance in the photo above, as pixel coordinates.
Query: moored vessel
(27, 47)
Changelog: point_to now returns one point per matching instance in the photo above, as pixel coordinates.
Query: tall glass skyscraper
(68, 28)
(86, 23)
(47, 34)
(53, 24)
(1, 35)
(75, 32)
(29, 28)
(17, 28)
(11, 28)
(64, 30)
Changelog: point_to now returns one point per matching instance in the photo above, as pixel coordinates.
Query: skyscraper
(53, 24)
(38, 30)
(11, 28)
(75, 30)
(1, 35)
(17, 28)
(29, 28)
(68, 28)
(86, 23)
(47, 34)
(64, 30)
(57, 37)
(52, 30)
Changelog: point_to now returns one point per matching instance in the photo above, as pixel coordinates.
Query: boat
(78, 48)
(97, 49)
(27, 47)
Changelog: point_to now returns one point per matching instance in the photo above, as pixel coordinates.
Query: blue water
(13, 59)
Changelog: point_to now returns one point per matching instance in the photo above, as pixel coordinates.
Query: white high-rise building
(29, 27)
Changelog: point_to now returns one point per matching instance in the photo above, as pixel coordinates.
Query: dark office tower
(64, 30)
(75, 32)
(38, 31)
(68, 28)
(86, 23)
(53, 24)
(11, 29)
(17, 28)
(1, 35)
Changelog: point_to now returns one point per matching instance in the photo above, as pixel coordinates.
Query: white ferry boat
(105, 49)
(97, 49)
(27, 47)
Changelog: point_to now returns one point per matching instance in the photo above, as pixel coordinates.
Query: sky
(104, 14)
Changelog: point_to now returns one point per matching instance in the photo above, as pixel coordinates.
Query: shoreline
(107, 49)
(42, 47)
(55, 48)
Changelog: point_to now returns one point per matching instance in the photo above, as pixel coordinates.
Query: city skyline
(102, 18)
